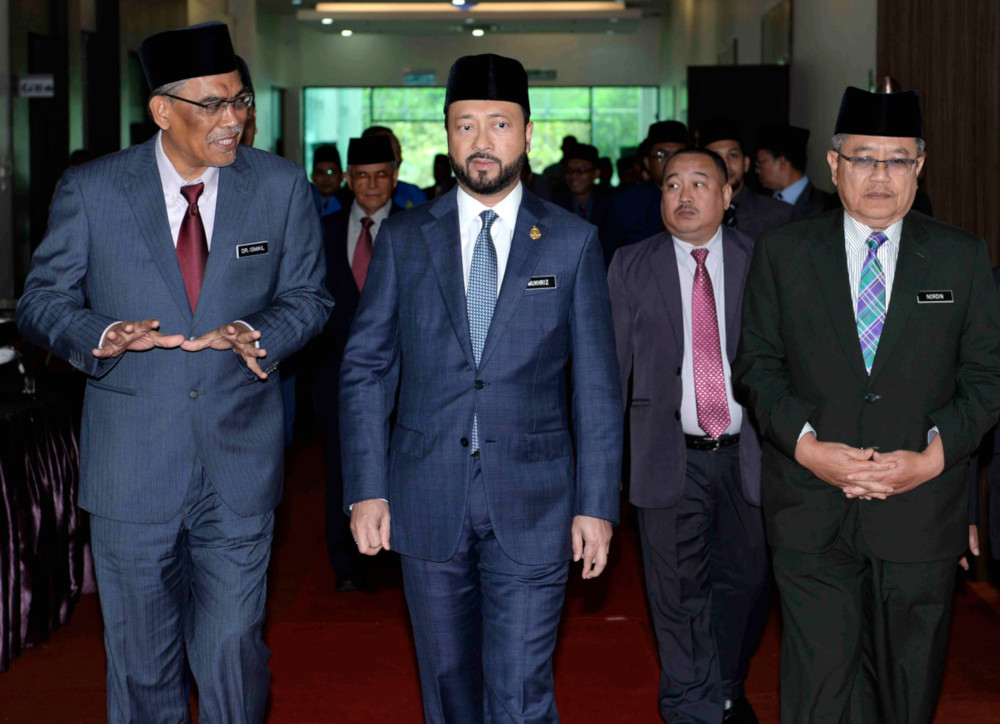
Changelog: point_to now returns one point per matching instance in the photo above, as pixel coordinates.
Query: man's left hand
(237, 337)
(591, 542)
(910, 470)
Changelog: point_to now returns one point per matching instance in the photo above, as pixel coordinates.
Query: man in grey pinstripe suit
(219, 253)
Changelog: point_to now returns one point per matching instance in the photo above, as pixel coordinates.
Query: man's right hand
(832, 462)
(370, 526)
(136, 337)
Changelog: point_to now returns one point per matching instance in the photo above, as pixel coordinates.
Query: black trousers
(707, 580)
(864, 639)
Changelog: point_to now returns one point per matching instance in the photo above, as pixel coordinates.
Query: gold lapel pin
(535, 233)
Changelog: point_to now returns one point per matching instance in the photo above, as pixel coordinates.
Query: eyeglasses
(867, 164)
(240, 103)
(364, 176)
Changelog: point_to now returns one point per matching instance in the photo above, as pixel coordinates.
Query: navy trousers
(485, 627)
(192, 587)
(705, 561)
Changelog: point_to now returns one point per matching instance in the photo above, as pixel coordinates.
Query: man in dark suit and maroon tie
(676, 299)
(870, 353)
(348, 236)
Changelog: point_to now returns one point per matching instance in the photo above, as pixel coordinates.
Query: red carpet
(349, 657)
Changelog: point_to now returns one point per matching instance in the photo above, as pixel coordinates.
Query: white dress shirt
(354, 225)
(686, 267)
(177, 205)
(502, 231)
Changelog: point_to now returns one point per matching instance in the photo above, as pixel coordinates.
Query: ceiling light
(327, 21)
(478, 32)
(296, 2)
(458, 2)
(346, 32)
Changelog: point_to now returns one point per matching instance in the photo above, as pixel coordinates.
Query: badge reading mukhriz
(535, 233)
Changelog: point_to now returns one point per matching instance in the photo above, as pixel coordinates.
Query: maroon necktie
(362, 253)
(709, 377)
(192, 244)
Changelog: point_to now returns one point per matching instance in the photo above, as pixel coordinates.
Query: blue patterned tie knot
(481, 296)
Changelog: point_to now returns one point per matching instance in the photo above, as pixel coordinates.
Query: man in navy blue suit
(177, 275)
(473, 309)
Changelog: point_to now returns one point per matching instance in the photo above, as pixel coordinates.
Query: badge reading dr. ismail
(535, 233)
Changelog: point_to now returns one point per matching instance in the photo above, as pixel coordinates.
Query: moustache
(482, 157)
(683, 207)
(236, 131)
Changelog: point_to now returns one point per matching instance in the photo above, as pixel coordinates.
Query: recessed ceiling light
(327, 21)
(478, 32)
(458, 2)
(346, 32)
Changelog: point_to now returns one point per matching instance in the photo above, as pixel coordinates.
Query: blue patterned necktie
(871, 300)
(481, 296)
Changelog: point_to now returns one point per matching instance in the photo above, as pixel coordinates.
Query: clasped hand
(144, 335)
(866, 473)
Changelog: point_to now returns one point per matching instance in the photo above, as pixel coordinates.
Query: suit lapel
(736, 261)
(524, 253)
(145, 195)
(663, 263)
(829, 261)
(231, 216)
(912, 266)
(444, 245)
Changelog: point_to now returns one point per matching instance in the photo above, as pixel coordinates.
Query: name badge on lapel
(547, 282)
(245, 250)
(936, 296)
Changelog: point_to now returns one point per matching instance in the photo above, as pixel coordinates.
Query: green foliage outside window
(611, 118)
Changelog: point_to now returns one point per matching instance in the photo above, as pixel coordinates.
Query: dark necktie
(362, 253)
(709, 374)
(192, 244)
(582, 210)
(729, 218)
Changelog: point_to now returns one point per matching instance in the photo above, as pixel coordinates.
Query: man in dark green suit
(870, 354)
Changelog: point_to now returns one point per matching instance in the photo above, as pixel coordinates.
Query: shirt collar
(790, 194)
(862, 231)
(686, 247)
(171, 181)
(357, 213)
(470, 208)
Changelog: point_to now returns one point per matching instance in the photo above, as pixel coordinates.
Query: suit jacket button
(479, 384)
(464, 441)
(193, 394)
(872, 397)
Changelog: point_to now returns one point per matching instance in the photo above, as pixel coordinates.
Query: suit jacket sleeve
(301, 303)
(973, 408)
(760, 359)
(369, 376)
(597, 410)
(53, 311)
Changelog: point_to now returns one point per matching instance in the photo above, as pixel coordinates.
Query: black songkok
(374, 149)
(719, 129)
(327, 153)
(880, 114)
(582, 152)
(487, 77)
(668, 132)
(783, 140)
(191, 52)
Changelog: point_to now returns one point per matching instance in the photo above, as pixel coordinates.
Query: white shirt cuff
(932, 433)
(351, 506)
(806, 429)
(257, 343)
(100, 344)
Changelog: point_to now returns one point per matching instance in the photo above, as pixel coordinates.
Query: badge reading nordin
(535, 233)
(542, 282)
(245, 250)
(936, 296)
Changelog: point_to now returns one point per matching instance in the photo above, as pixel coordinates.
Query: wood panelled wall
(949, 52)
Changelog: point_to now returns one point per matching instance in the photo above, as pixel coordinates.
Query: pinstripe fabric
(856, 244)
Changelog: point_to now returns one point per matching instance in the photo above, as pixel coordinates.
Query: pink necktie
(709, 378)
(192, 244)
(362, 253)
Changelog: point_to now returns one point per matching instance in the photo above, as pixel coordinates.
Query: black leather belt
(704, 442)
